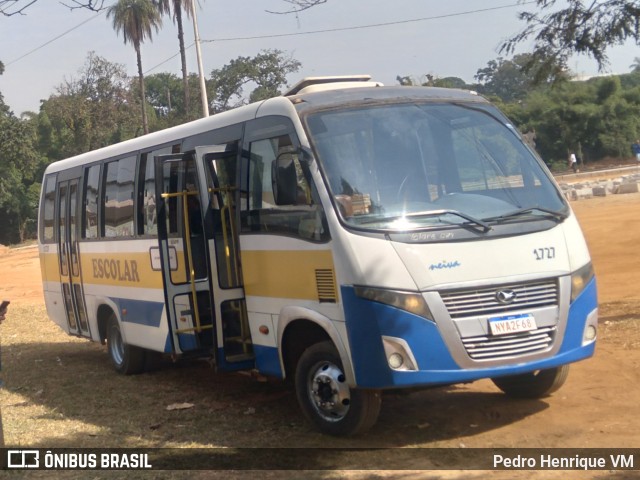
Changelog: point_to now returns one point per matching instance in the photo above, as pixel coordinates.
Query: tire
(126, 359)
(325, 397)
(538, 384)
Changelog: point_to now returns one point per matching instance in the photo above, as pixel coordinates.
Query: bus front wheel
(326, 398)
(536, 384)
(126, 359)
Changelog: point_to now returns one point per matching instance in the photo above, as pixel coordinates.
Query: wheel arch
(102, 315)
(298, 329)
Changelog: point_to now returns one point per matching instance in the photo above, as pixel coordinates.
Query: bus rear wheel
(326, 398)
(536, 384)
(126, 359)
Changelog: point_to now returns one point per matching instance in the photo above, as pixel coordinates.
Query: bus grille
(491, 348)
(483, 301)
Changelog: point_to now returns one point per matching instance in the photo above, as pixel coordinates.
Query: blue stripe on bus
(267, 360)
(187, 341)
(367, 321)
(141, 312)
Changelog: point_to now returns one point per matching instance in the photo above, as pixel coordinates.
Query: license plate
(512, 324)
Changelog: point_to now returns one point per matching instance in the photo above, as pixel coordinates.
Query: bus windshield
(406, 166)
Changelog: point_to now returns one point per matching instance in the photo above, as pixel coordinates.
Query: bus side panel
(51, 285)
(123, 275)
(280, 276)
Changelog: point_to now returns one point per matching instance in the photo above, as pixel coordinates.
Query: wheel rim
(116, 345)
(329, 393)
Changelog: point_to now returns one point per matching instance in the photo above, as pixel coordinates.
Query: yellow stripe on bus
(132, 269)
(120, 269)
(284, 274)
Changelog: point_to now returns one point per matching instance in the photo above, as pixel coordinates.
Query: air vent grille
(326, 286)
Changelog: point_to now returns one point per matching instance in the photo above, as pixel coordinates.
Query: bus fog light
(399, 355)
(591, 328)
(590, 333)
(395, 361)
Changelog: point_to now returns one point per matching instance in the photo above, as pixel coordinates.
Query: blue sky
(455, 44)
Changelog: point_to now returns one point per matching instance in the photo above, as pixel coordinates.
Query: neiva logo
(444, 265)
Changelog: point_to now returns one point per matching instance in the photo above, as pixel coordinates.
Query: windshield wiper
(525, 211)
(439, 213)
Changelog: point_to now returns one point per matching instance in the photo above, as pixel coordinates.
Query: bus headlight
(579, 280)
(411, 302)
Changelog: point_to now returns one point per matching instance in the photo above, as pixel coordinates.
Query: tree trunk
(183, 57)
(143, 93)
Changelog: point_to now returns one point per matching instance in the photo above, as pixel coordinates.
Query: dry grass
(62, 392)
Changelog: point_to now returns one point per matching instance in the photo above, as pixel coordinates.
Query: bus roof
(379, 94)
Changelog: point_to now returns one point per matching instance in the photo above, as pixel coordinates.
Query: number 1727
(545, 253)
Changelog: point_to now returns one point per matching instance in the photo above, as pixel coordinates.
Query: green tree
(176, 8)
(513, 79)
(635, 66)
(561, 29)
(430, 80)
(20, 171)
(136, 19)
(164, 93)
(88, 112)
(266, 72)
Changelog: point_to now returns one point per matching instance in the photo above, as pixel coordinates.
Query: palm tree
(136, 19)
(635, 66)
(178, 7)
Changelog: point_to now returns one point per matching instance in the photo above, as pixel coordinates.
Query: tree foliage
(430, 80)
(513, 79)
(596, 118)
(9, 8)
(20, 170)
(266, 73)
(136, 20)
(561, 29)
(94, 110)
(176, 8)
(164, 93)
(298, 6)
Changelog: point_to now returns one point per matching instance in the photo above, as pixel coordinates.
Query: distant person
(573, 162)
(635, 148)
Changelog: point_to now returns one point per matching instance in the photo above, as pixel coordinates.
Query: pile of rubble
(600, 187)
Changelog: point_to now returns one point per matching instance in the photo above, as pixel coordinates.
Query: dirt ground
(598, 407)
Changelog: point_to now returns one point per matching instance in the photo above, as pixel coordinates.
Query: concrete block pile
(578, 190)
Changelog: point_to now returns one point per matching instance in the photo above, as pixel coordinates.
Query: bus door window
(91, 202)
(62, 231)
(181, 176)
(69, 256)
(222, 174)
(221, 164)
(147, 203)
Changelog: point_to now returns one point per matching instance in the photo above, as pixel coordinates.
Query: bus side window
(118, 201)
(294, 213)
(49, 203)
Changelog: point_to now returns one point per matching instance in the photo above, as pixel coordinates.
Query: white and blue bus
(349, 236)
